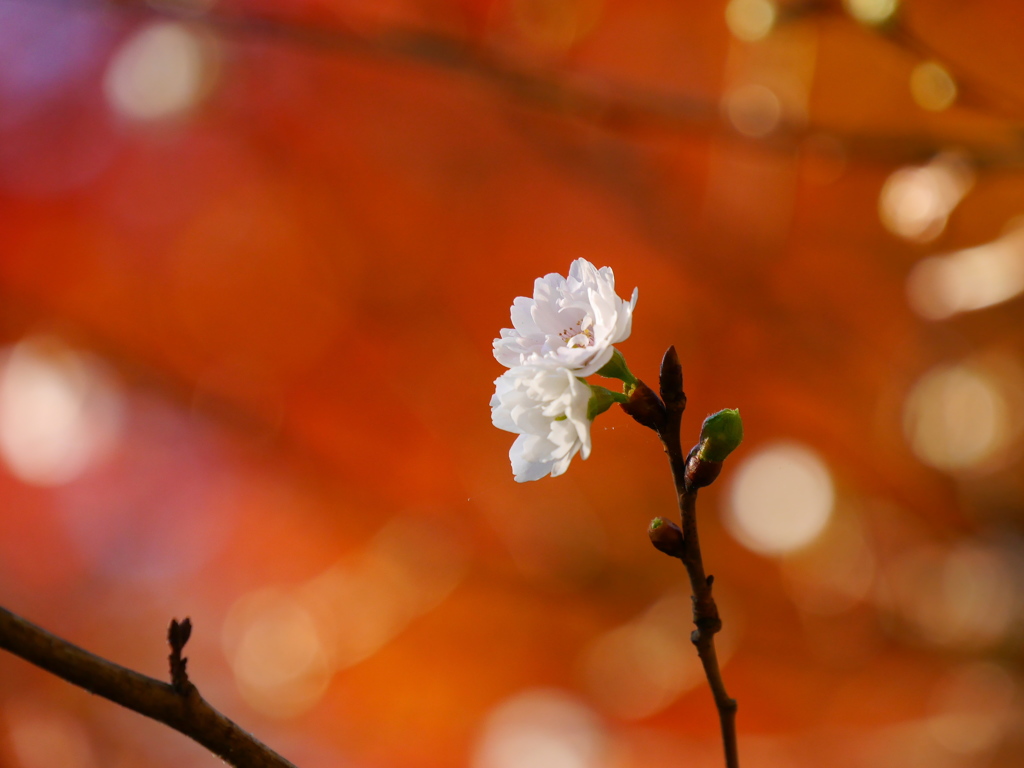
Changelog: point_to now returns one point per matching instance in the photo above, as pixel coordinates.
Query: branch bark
(708, 623)
(179, 706)
(686, 547)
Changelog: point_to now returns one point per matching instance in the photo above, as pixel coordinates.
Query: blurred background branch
(629, 110)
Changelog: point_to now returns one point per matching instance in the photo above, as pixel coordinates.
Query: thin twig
(179, 706)
(705, 611)
(708, 622)
(177, 635)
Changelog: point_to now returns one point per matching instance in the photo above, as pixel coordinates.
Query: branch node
(177, 635)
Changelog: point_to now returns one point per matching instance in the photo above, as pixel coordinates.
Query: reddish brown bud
(645, 407)
(671, 382)
(666, 536)
(700, 472)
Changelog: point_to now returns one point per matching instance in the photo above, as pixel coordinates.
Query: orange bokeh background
(252, 259)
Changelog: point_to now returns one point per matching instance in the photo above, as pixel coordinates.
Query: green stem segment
(616, 368)
(601, 400)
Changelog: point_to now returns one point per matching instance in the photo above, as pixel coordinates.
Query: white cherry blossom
(546, 405)
(572, 320)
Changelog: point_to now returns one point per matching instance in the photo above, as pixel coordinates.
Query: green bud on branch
(720, 435)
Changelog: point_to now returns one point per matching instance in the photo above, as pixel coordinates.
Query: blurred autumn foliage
(252, 258)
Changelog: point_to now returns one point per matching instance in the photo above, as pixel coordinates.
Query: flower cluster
(564, 333)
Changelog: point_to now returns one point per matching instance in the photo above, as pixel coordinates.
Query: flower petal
(546, 405)
(574, 320)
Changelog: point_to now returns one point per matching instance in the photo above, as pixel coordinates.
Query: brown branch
(707, 620)
(179, 705)
(177, 635)
(684, 544)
